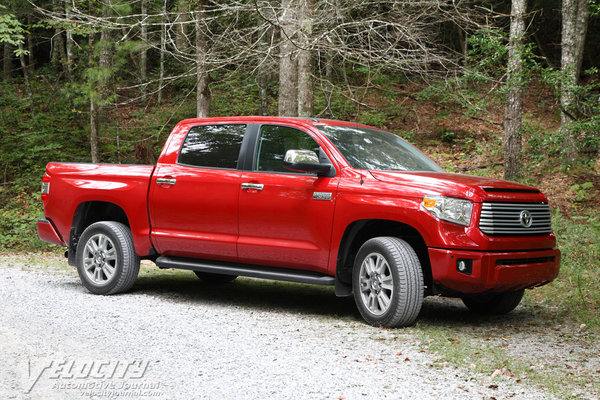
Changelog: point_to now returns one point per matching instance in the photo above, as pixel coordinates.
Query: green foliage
(332, 103)
(18, 222)
(585, 110)
(28, 142)
(458, 91)
(11, 30)
(542, 146)
(373, 118)
(234, 94)
(447, 136)
(575, 292)
(487, 55)
(582, 191)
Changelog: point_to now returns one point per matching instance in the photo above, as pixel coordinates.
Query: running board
(253, 271)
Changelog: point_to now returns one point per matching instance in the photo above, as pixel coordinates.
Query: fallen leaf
(399, 353)
(406, 359)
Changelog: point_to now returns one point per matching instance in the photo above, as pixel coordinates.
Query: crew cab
(304, 200)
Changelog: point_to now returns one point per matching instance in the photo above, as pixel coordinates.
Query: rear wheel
(106, 259)
(494, 303)
(214, 278)
(388, 282)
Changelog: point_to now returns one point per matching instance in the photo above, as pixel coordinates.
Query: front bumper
(494, 271)
(48, 233)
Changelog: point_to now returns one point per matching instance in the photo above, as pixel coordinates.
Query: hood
(474, 188)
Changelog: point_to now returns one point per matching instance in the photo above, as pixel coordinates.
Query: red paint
(196, 217)
(207, 215)
(47, 233)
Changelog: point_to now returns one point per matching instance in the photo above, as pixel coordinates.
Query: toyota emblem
(525, 218)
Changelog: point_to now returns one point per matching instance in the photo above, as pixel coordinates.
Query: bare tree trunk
(7, 63)
(163, 48)
(581, 27)
(575, 15)
(181, 40)
(30, 45)
(328, 82)
(263, 99)
(105, 65)
(264, 75)
(463, 38)
(26, 78)
(60, 49)
(94, 151)
(305, 62)
(69, 44)
(202, 77)
(513, 111)
(144, 53)
(288, 64)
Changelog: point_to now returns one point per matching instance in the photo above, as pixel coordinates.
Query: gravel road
(181, 339)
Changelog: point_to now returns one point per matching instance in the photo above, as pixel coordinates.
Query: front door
(194, 203)
(285, 217)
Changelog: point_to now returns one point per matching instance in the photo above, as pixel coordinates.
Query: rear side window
(275, 141)
(212, 146)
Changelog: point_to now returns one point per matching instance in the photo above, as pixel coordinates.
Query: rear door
(285, 217)
(194, 202)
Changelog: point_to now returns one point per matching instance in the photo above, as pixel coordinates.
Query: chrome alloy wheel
(100, 259)
(376, 283)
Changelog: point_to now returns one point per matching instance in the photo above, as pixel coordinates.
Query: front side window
(212, 146)
(275, 141)
(372, 149)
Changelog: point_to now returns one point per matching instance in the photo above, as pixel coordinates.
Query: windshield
(366, 148)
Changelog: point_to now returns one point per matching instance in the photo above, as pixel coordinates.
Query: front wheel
(494, 303)
(388, 282)
(106, 259)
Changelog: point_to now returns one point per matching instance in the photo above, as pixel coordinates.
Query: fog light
(464, 266)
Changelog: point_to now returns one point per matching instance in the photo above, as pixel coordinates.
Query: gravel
(190, 346)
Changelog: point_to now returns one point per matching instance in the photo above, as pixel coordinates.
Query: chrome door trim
(255, 186)
(165, 181)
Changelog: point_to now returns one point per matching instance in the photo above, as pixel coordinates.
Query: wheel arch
(358, 232)
(88, 213)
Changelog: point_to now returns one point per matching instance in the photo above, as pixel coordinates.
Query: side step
(254, 271)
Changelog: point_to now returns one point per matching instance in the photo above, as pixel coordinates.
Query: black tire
(494, 303)
(403, 272)
(118, 256)
(214, 278)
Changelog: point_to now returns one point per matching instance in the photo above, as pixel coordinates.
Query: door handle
(255, 186)
(165, 181)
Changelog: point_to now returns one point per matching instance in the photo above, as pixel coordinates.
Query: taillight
(45, 187)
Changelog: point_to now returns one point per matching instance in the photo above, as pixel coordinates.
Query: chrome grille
(505, 219)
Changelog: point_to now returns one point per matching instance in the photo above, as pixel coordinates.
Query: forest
(507, 89)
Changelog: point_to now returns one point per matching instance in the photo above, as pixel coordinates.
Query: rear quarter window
(212, 146)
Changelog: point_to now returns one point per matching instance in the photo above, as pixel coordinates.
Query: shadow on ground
(318, 301)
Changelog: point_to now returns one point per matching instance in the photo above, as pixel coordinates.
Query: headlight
(449, 209)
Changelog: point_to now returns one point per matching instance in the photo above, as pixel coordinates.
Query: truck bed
(73, 185)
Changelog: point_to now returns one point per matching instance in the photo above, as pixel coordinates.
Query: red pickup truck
(304, 200)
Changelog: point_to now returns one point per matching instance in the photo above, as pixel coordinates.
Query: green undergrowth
(575, 295)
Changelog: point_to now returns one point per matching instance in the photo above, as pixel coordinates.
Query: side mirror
(305, 161)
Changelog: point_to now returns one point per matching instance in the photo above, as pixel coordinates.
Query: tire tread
(410, 282)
